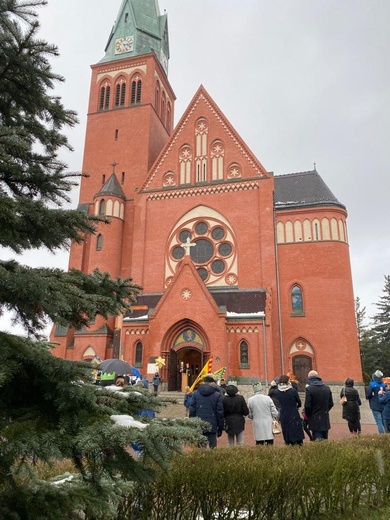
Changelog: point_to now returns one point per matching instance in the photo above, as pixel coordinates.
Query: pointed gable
(187, 287)
(204, 149)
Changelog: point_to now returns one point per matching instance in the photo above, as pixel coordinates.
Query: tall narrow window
(107, 98)
(157, 100)
(120, 93)
(104, 100)
(99, 243)
(103, 179)
(163, 108)
(123, 178)
(185, 161)
(296, 300)
(138, 353)
(244, 353)
(169, 125)
(102, 207)
(136, 88)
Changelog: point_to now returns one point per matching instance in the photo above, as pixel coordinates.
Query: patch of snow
(128, 421)
(62, 481)
(259, 314)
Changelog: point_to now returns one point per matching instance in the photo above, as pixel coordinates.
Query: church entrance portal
(184, 367)
(301, 367)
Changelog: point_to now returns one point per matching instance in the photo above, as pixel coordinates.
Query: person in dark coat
(318, 402)
(384, 399)
(273, 389)
(235, 409)
(372, 395)
(207, 404)
(351, 411)
(155, 382)
(290, 419)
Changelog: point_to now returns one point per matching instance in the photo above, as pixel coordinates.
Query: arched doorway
(301, 367)
(187, 355)
(184, 366)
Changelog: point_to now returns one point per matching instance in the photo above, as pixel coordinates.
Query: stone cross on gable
(187, 245)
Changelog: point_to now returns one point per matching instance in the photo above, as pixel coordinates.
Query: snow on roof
(259, 314)
(145, 317)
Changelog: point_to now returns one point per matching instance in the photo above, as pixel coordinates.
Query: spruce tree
(50, 412)
(376, 347)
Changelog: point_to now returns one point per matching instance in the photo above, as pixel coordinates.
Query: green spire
(139, 29)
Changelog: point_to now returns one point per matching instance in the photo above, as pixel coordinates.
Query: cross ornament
(187, 245)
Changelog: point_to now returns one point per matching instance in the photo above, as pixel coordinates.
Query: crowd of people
(225, 409)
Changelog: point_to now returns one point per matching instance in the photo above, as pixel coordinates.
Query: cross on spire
(113, 166)
(187, 245)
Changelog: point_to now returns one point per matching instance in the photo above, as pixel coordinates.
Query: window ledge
(244, 365)
(298, 314)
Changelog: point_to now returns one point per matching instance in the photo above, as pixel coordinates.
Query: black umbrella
(118, 366)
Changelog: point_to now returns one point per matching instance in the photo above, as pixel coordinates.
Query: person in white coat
(262, 411)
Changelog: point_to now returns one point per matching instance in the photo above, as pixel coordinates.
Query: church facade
(239, 265)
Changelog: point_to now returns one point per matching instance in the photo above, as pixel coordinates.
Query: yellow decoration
(160, 362)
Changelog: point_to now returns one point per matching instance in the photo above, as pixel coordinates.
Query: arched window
(296, 300)
(163, 108)
(104, 101)
(169, 125)
(120, 93)
(138, 353)
(102, 207)
(136, 87)
(157, 98)
(185, 161)
(244, 353)
(99, 243)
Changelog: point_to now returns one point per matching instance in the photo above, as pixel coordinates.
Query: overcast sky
(302, 82)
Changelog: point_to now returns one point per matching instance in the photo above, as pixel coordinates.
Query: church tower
(130, 119)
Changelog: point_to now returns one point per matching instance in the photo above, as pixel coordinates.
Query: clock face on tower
(124, 44)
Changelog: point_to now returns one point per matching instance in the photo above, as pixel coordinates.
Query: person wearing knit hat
(375, 405)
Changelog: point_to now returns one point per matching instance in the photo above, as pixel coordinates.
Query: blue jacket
(384, 400)
(372, 394)
(207, 404)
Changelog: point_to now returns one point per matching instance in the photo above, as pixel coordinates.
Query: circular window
(177, 252)
(218, 233)
(225, 249)
(184, 235)
(202, 272)
(218, 266)
(201, 228)
(202, 252)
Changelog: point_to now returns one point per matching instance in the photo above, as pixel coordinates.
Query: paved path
(339, 428)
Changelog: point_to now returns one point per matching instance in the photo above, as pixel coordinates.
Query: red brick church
(249, 268)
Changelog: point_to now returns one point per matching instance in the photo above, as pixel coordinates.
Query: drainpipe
(265, 352)
(278, 291)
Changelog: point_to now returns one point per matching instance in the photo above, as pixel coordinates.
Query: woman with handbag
(350, 407)
(290, 419)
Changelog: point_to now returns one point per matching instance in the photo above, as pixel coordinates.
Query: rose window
(210, 244)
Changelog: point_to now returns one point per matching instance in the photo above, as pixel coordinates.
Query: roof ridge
(295, 173)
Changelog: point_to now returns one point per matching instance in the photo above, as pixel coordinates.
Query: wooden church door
(301, 367)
